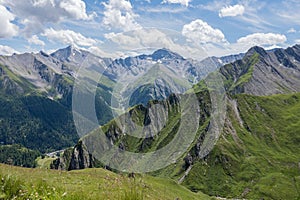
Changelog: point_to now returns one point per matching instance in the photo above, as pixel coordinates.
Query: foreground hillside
(23, 183)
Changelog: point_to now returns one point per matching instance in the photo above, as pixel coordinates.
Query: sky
(118, 28)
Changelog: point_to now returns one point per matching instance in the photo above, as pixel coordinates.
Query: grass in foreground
(24, 183)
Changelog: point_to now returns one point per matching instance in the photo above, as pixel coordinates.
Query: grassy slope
(248, 74)
(262, 159)
(94, 184)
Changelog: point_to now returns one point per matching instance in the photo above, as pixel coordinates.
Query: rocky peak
(42, 53)
(165, 54)
(62, 54)
(70, 53)
(256, 49)
(81, 158)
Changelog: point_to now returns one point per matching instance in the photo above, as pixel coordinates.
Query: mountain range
(257, 152)
(30, 80)
(256, 155)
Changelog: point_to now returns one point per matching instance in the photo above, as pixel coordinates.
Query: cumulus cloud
(6, 50)
(118, 14)
(182, 2)
(201, 32)
(35, 40)
(150, 39)
(35, 14)
(76, 9)
(263, 39)
(8, 29)
(232, 11)
(141, 38)
(68, 37)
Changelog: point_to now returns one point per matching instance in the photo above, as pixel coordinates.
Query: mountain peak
(66, 53)
(44, 54)
(72, 47)
(165, 53)
(256, 49)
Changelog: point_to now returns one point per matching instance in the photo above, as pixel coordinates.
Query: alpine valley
(255, 157)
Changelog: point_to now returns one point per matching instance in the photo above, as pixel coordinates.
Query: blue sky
(122, 27)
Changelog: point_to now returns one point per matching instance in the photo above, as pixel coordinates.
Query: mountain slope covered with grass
(258, 153)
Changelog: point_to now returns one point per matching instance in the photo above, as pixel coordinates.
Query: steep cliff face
(63, 162)
(74, 158)
(81, 158)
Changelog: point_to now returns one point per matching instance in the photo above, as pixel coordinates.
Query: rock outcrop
(74, 158)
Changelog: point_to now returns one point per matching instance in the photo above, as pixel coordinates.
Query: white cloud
(253, 16)
(150, 39)
(263, 39)
(118, 14)
(243, 44)
(8, 29)
(76, 9)
(297, 41)
(232, 11)
(36, 13)
(68, 37)
(35, 40)
(6, 50)
(141, 38)
(182, 2)
(273, 47)
(201, 32)
(291, 30)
